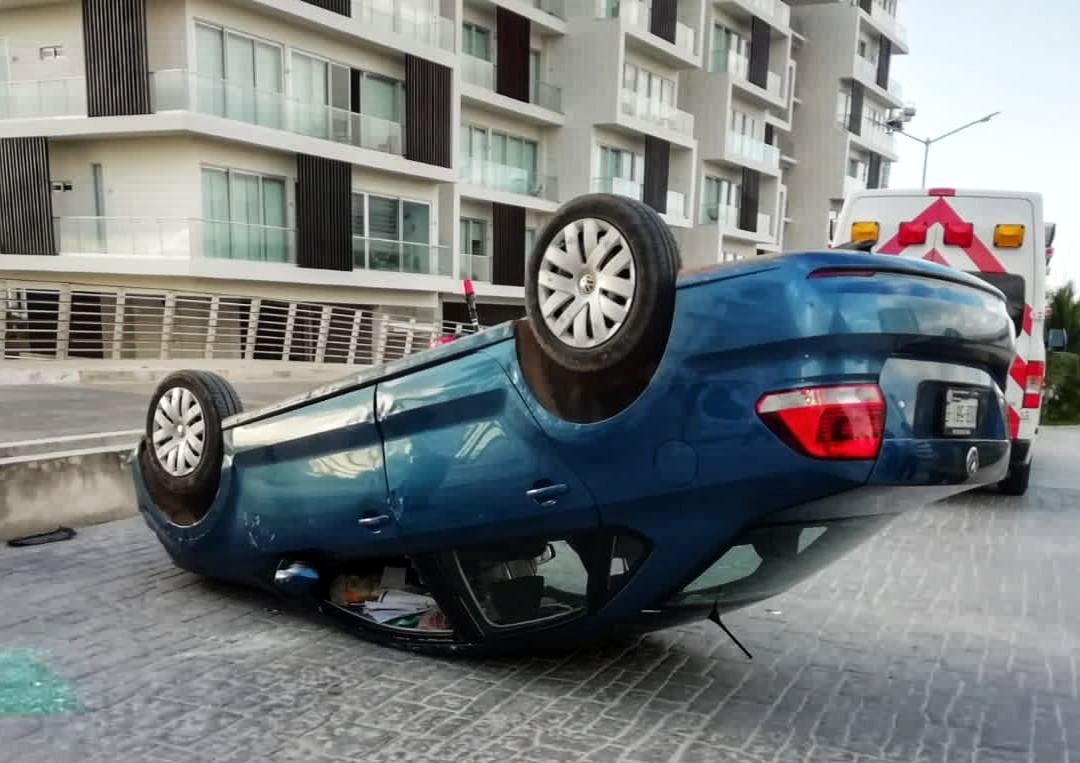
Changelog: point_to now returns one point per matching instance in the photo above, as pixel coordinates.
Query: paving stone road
(952, 636)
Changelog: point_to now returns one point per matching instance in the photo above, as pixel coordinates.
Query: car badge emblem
(972, 461)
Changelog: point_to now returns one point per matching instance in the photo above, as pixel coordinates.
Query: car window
(1013, 287)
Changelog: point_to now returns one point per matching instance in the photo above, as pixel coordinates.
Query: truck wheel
(1016, 481)
(600, 284)
(182, 449)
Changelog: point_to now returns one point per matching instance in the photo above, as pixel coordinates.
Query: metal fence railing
(60, 321)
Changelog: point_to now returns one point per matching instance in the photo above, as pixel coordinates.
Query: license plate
(961, 412)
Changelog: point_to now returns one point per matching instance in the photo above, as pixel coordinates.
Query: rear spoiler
(1051, 231)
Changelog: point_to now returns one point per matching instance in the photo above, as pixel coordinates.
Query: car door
(314, 477)
(466, 462)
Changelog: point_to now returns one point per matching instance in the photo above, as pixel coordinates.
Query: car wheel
(183, 448)
(1016, 481)
(600, 284)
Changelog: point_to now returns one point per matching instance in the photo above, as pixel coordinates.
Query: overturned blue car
(649, 446)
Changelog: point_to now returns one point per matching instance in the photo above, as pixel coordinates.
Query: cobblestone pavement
(952, 636)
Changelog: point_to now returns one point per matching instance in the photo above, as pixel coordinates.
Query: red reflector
(838, 272)
(941, 192)
(835, 423)
(912, 234)
(959, 234)
(1033, 387)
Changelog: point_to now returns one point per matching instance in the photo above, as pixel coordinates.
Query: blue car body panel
(450, 447)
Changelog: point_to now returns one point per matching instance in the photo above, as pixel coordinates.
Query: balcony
(176, 89)
(852, 185)
(888, 23)
(621, 186)
(507, 178)
(727, 216)
(640, 106)
(37, 99)
(750, 148)
(877, 137)
(406, 19)
(476, 267)
(477, 71)
(556, 8)
(387, 255)
(175, 237)
(676, 205)
(726, 60)
(773, 11)
(638, 15)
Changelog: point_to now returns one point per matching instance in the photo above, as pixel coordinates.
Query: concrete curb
(51, 446)
(76, 488)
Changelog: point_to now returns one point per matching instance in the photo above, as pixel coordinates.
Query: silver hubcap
(586, 283)
(179, 432)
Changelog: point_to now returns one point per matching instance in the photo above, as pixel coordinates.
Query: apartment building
(846, 93)
(374, 152)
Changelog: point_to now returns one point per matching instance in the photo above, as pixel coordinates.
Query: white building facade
(375, 152)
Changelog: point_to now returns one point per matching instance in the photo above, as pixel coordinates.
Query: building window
(621, 172)
(476, 264)
(476, 41)
(730, 52)
(392, 234)
(238, 76)
(886, 165)
(858, 169)
(244, 216)
(843, 108)
(652, 86)
(498, 160)
(51, 51)
(720, 200)
(530, 240)
(534, 76)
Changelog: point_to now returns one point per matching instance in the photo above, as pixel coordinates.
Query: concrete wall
(820, 144)
(29, 28)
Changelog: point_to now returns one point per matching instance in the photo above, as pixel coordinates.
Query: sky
(972, 57)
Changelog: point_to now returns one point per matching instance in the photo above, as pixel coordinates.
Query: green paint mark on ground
(27, 687)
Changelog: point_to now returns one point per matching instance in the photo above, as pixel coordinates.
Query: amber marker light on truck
(1008, 236)
(864, 231)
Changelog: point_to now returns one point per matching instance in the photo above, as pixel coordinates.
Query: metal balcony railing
(58, 321)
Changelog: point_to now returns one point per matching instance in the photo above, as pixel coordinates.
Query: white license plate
(961, 412)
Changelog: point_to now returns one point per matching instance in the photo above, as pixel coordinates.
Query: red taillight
(959, 234)
(1033, 386)
(912, 234)
(836, 423)
(941, 192)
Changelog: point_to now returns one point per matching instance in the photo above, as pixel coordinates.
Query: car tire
(600, 284)
(183, 446)
(1016, 481)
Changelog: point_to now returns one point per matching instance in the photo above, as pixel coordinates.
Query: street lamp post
(927, 142)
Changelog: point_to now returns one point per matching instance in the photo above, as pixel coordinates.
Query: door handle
(546, 495)
(374, 521)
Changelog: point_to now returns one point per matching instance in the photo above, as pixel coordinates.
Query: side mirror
(1051, 230)
(1057, 339)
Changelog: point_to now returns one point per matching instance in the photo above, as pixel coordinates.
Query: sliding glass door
(392, 234)
(310, 95)
(244, 216)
